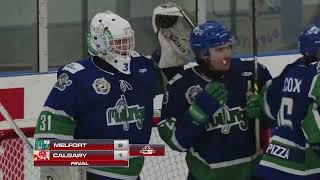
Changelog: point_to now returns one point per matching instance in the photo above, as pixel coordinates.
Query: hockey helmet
(309, 40)
(207, 35)
(112, 39)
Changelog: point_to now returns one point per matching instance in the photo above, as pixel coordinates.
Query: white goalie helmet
(112, 39)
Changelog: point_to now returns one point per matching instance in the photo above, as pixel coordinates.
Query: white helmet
(112, 39)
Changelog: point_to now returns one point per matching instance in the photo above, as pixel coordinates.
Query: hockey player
(108, 95)
(291, 102)
(172, 27)
(203, 105)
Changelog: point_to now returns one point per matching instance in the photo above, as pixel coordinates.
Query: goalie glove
(173, 27)
(208, 102)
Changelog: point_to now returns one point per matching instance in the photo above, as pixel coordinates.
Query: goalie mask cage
(16, 160)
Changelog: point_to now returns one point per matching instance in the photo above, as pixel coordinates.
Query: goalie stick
(181, 10)
(15, 127)
(186, 17)
(56, 173)
(254, 85)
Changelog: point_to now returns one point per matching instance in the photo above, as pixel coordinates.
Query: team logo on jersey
(192, 92)
(62, 82)
(123, 114)
(101, 86)
(226, 118)
(124, 86)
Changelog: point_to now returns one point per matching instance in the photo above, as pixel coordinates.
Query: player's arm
(160, 83)
(263, 76)
(311, 122)
(254, 108)
(56, 119)
(181, 124)
(311, 125)
(263, 106)
(161, 79)
(264, 80)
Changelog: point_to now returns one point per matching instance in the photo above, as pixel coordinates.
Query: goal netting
(172, 166)
(16, 160)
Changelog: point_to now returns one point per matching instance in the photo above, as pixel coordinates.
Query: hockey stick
(255, 81)
(186, 17)
(15, 127)
(182, 11)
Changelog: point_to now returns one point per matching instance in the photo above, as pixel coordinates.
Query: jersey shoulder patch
(63, 82)
(73, 67)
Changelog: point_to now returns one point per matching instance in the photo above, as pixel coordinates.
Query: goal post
(16, 159)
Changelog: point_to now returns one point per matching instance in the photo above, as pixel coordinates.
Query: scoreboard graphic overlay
(91, 152)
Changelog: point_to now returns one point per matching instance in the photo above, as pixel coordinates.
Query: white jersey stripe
(289, 170)
(58, 112)
(225, 163)
(175, 141)
(111, 175)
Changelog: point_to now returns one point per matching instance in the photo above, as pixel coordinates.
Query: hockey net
(16, 160)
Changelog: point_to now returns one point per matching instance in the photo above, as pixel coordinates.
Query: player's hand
(217, 91)
(200, 110)
(253, 109)
(198, 114)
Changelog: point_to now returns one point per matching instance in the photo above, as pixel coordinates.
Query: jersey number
(126, 67)
(45, 123)
(285, 111)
